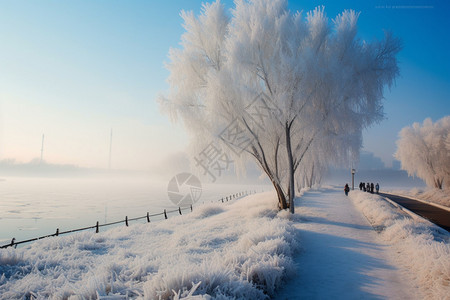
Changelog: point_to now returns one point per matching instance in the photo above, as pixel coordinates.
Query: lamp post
(353, 178)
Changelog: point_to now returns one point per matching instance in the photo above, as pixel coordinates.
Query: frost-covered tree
(277, 87)
(423, 150)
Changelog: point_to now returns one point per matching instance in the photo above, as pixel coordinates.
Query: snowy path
(342, 257)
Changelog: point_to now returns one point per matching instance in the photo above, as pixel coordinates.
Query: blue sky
(72, 70)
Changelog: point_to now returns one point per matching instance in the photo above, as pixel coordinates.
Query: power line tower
(42, 150)
(110, 150)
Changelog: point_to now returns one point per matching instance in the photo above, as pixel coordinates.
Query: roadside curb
(421, 200)
(416, 216)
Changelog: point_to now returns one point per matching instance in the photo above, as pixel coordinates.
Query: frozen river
(32, 207)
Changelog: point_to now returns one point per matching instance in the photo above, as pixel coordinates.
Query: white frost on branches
(292, 92)
(424, 150)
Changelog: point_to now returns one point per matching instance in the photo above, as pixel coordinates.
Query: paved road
(438, 216)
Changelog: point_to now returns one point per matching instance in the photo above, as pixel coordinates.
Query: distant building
(368, 161)
(396, 165)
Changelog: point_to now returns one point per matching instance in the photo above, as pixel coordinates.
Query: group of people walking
(369, 187)
(363, 187)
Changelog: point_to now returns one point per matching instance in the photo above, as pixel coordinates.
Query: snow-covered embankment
(241, 249)
(432, 196)
(420, 249)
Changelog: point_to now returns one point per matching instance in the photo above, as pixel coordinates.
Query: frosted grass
(421, 250)
(236, 250)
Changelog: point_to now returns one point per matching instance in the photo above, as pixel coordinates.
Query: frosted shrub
(274, 246)
(268, 272)
(9, 257)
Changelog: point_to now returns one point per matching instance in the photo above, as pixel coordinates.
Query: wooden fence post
(12, 241)
(148, 218)
(57, 232)
(96, 228)
(179, 210)
(191, 206)
(126, 220)
(165, 214)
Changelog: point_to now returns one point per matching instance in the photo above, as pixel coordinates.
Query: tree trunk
(282, 204)
(311, 180)
(438, 183)
(291, 192)
(260, 158)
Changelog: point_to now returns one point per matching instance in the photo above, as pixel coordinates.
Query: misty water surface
(32, 207)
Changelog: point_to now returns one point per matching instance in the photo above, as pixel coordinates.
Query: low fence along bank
(126, 221)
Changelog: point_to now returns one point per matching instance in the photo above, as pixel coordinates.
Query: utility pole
(42, 149)
(110, 151)
(353, 178)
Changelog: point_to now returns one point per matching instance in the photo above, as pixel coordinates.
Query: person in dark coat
(360, 186)
(371, 187)
(346, 189)
(377, 187)
(368, 187)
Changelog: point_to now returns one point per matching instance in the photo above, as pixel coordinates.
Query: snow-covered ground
(421, 251)
(437, 196)
(342, 256)
(243, 249)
